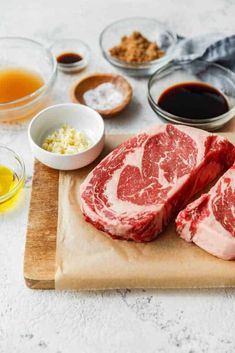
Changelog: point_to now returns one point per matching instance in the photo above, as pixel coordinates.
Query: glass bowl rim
(13, 191)
(46, 84)
(77, 64)
(145, 65)
(176, 117)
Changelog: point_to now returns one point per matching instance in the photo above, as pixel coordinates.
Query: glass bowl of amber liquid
(210, 83)
(27, 75)
(12, 177)
(152, 30)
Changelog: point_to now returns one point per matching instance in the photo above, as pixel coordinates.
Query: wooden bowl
(94, 80)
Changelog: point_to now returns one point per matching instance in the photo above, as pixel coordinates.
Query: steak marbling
(209, 221)
(134, 192)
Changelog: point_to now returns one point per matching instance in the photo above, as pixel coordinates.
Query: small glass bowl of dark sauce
(72, 55)
(197, 93)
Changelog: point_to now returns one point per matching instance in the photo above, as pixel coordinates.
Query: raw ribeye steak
(134, 192)
(209, 221)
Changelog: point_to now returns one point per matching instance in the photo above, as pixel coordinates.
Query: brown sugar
(136, 49)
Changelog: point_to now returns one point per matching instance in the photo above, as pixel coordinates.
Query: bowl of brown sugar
(137, 46)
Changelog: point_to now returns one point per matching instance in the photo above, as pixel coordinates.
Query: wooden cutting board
(40, 248)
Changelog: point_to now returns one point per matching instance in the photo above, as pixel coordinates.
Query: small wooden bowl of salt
(108, 94)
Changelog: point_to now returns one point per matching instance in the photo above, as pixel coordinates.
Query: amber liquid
(16, 83)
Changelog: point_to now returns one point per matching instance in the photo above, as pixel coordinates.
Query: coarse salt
(104, 97)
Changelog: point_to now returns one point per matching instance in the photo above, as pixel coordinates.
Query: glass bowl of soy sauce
(195, 93)
(72, 55)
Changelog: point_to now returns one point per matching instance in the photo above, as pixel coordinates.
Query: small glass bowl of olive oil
(12, 178)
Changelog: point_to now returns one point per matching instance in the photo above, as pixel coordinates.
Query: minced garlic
(66, 140)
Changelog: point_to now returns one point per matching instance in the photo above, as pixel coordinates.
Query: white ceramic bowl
(79, 116)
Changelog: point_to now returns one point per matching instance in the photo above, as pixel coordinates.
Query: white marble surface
(185, 321)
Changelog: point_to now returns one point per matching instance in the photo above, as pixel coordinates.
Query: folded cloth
(212, 47)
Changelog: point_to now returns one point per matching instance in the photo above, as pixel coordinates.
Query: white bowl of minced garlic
(66, 136)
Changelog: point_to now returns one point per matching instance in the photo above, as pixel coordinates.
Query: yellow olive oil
(8, 181)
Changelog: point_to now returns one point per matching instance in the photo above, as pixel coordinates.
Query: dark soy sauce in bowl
(193, 100)
(68, 58)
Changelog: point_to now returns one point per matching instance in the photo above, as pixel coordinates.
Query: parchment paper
(87, 259)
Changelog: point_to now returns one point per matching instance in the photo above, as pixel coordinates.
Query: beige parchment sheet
(87, 259)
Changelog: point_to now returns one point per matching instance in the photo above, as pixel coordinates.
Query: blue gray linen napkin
(213, 47)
